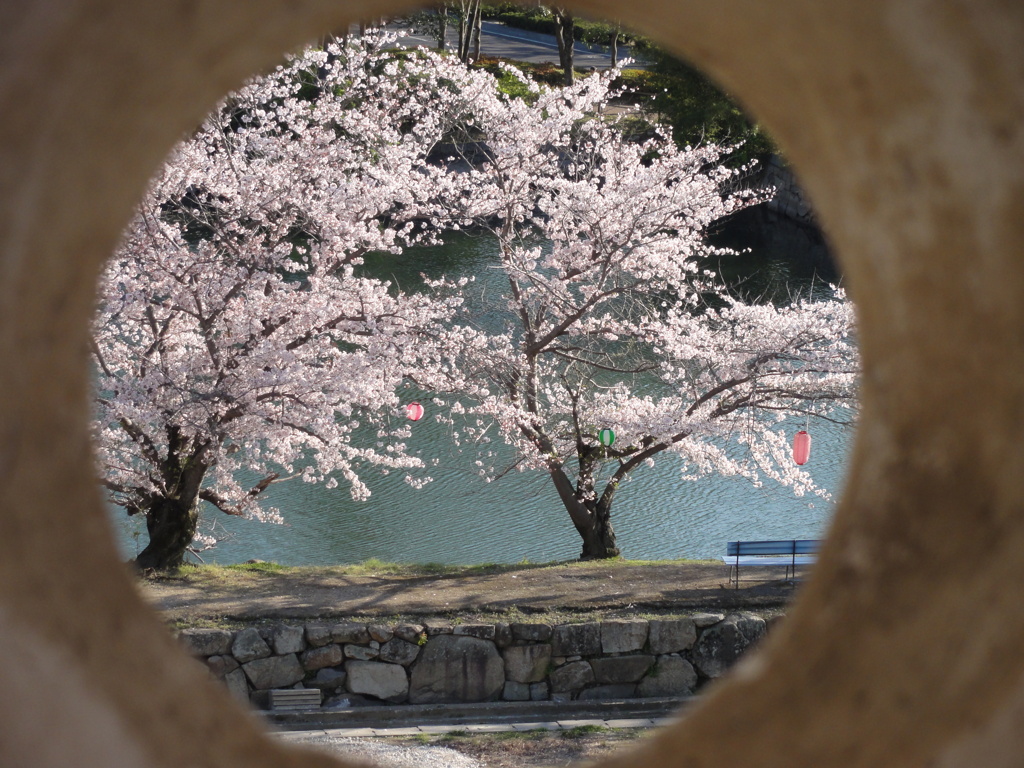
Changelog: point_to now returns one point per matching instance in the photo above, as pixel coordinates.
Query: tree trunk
(463, 45)
(592, 519)
(565, 36)
(171, 524)
(442, 27)
(477, 30)
(599, 541)
(615, 47)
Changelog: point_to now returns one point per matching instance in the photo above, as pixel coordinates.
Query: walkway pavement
(434, 730)
(497, 717)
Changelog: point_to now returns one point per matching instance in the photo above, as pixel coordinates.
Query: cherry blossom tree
(612, 322)
(235, 344)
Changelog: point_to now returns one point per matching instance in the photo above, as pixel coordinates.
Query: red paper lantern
(414, 411)
(801, 447)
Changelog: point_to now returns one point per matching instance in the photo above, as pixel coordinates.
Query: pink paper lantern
(414, 411)
(801, 447)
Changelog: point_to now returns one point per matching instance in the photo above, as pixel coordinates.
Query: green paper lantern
(606, 437)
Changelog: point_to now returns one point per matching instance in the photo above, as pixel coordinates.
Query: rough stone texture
(502, 635)
(621, 669)
(387, 682)
(516, 691)
(455, 669)
(571, 677)
(248, 645)
(285, 638)
(623, 636)
(527, 663)
(720, 645)
(380, 633)
(327, 679)
(361, 652)
(702, 620)
(318, 658)
(433, 628)
(221, 665)
(237, 684)
(539, 691)
(206, 642)
(670, 636)
(483, 631)
(576, 639)
(350, 633)
(274, 672)
(622, 691)
(409, 632)
(318, 635)
(671, 676)
(531, 633)
(398, 651)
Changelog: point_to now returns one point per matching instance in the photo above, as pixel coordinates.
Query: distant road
(496, 39)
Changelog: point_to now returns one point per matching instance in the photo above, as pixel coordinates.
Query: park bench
(787, 553)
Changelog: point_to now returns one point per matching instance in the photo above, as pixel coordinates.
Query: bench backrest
(781, 547)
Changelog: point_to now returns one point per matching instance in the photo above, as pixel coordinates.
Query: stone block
(572, 676)
(621, 669)
(387, 682)
(285, 638)
(379, 633)
(432, 628)
(396, 651)
(516, 691)
(274, 672)
(237, 685)
(328, 679)
(702, 620)
(318, 635)
(531, 633)
(720, 645)
(539, 692)
(576, 639)
(248, 645)
(350, 633)
(621, 691)
(527, 663)
(670, 676)
(482, 631)
(454, 669)
(206, 642)
(361, 652)
(502, 635)
(318, 658)
(672, 635)
(623, 636)
(409, 632)
(221, 665)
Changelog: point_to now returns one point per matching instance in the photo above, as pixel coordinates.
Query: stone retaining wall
(788, 198)
(358, 663)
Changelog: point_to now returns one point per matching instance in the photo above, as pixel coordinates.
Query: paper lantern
(606, 437)
(414, 411)
(801, 447)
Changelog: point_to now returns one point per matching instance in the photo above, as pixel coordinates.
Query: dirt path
(567, 588)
